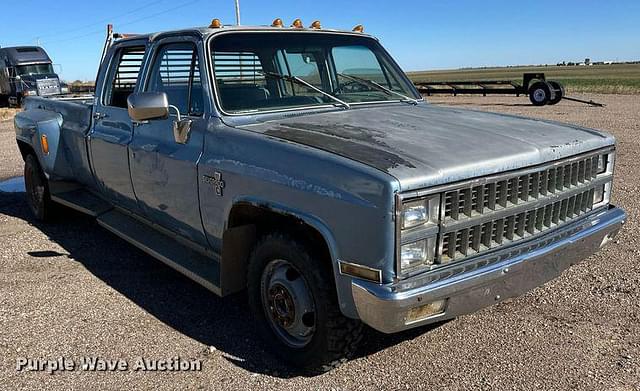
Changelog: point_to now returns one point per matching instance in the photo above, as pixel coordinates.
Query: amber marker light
(215, 24)
(359, 29)
(44, 143)
(297, 24)
(277, 23)
(316, 25)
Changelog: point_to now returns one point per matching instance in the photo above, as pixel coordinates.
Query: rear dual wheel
(293, 298)
(37, 189)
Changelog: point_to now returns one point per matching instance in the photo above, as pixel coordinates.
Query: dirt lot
(72, 290)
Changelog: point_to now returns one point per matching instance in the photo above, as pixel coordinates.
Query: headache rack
(493, 212)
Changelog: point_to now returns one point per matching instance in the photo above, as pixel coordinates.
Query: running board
(83, 201)
(202, 269)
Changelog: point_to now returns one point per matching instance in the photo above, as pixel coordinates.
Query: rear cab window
(123, 76)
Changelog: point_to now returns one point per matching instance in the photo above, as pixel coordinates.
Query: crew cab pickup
(302, 166)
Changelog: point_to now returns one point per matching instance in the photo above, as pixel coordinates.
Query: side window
(176, 72)
(123, 76)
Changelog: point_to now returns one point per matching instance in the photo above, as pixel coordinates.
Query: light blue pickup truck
(301, 165)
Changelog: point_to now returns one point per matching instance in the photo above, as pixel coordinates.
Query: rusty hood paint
(428, 145)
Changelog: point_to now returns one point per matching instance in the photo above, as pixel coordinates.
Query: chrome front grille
(474, 201)
(461, 243)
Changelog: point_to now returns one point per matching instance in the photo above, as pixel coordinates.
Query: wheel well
(25, 149)
(248, 223)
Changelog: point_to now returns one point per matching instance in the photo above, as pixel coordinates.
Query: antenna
(238, 12)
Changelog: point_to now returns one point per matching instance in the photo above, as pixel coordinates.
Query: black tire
(37, 189)
(558, 89)
(334, 338)
(4, 101)
(541, 93)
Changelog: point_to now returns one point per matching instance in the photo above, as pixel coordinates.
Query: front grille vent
(461, 204)
(471, 240)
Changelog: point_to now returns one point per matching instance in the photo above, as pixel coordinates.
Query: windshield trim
(214, 88)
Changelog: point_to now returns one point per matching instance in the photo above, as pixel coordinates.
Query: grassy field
(609, 79)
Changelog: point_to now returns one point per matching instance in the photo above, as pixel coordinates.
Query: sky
(421, 35)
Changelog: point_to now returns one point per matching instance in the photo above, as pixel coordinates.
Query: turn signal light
(215, 24)
(277, 23)
(297, 24)
(316, 25)
(44, 143)
(359, 29)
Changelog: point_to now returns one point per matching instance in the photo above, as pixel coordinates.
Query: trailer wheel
(541, 93)
(558, 89)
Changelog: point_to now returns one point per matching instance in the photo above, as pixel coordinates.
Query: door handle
(99, 116)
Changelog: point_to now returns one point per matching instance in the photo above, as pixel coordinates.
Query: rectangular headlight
(417, 255)
(420, 212)
(602, 163)
(606, 162)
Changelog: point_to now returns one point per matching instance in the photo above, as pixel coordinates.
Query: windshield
(34, 69)
(270, 71)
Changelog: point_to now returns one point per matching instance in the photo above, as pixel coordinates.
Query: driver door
(163, 169)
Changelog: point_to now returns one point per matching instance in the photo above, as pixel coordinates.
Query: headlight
(418, 233)
(598, 195)
(420, 212)
(605, 163)
(417, 254)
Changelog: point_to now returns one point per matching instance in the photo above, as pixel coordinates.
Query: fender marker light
(316, 25)
(359, 29)
(277, 23)
(44, 143)
(297, 24)
(215, 24)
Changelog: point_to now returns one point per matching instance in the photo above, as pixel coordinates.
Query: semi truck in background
(26, 71)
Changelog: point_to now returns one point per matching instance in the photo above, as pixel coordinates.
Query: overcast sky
(420, 34)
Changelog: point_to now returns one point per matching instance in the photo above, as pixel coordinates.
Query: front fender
(343, 283)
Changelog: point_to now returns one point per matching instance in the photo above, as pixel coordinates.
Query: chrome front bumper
(507, 273)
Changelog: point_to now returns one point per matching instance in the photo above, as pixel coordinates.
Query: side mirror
(145, 106)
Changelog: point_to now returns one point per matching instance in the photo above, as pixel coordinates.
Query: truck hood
(426, 145)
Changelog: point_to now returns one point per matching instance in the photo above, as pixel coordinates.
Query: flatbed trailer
(540, 90)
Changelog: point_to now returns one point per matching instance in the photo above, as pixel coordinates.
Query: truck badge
(216, 181)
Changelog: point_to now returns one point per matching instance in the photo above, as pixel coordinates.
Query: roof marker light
(359, 29)
(297, 24)
(277, 23)
(215, 24)
(316, 25)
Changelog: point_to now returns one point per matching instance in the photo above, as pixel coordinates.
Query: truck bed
(65, 122)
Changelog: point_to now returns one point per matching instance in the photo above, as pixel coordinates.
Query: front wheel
(37, 189)
(293, 298)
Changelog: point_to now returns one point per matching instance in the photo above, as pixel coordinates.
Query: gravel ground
(72, 290)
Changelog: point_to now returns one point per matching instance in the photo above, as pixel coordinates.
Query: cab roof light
(359, 29)
(277, 22)
(316, 25)
(297, 24)
(215, 24)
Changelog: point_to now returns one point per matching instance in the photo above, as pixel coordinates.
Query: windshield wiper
(379, 87)
(298, 80)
